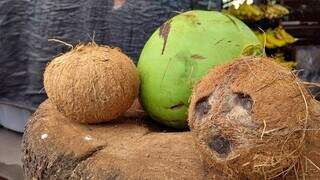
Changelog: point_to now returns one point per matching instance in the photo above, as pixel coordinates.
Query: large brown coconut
(249, 118)
(129, 148)
(92, 83)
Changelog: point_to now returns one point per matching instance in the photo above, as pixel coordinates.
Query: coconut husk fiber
(308, 166)
(92, 83)
(128, 148)
(251, 119)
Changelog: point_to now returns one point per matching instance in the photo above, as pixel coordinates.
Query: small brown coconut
(249, 118)
(92, 83)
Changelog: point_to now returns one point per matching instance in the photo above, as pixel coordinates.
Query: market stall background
(26, 26)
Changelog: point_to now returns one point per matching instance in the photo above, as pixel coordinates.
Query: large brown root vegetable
(92, 83)
(251, 119)
(56, 148)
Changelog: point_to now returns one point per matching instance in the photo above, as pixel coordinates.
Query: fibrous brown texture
(308, 166)
(129, 148)
(250, 118)
(92, 83)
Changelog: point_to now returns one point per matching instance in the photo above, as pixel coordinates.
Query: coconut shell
(249, 118)
(129, 148)
(91, 83)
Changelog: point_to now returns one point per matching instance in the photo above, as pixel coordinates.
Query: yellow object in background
(273, 11)
(252, 12)
(279, 57)
(284, 35)
(275, 38)
(247, 12)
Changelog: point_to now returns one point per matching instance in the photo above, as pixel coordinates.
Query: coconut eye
(244, 100)
(220, 144)
(203, 107)
(241, 109)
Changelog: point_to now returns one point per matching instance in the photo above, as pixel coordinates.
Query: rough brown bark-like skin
(308, 166)
(245, 116)
(254, 119)
(124, 149)
(92, 83)
(310, 161)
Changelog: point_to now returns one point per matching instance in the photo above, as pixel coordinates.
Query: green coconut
(182, 51)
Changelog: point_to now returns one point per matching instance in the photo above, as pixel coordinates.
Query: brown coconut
(129, 148)
(309, 164)
(92, 83)
(250, 118)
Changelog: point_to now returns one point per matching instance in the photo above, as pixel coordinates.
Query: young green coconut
(250, 118)
(181, 52)
(92, 83)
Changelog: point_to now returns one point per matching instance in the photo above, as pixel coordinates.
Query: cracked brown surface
(129, 148)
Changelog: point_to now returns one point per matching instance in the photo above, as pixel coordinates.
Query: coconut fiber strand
(254, 119)
(92, 83)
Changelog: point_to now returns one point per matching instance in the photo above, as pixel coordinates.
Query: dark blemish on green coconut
(197, 57)
(218, 41)
(164, 33)
(177, 106)
(220, 144)
(233, 21)
(192, 17)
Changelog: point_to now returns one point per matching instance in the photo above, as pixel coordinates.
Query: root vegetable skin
(92, 83)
